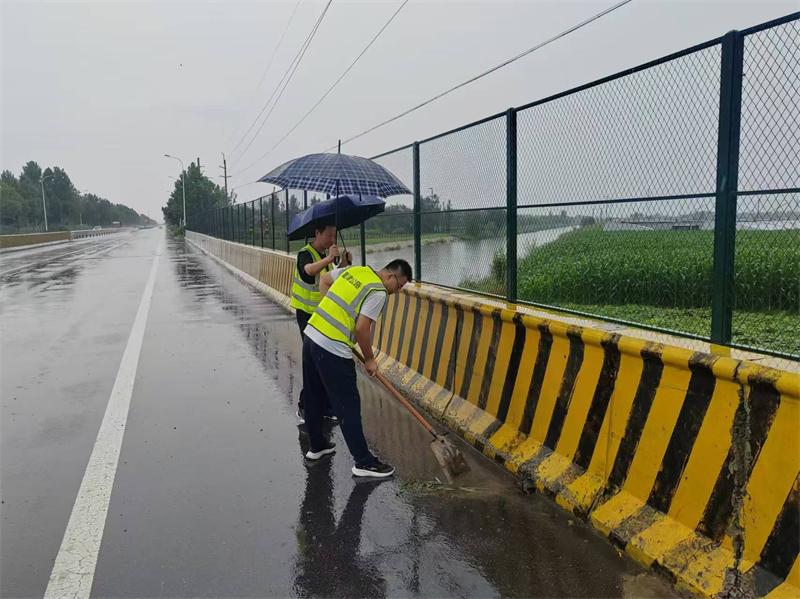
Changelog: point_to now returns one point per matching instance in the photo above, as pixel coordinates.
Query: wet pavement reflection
(415, 534)
(212, 496)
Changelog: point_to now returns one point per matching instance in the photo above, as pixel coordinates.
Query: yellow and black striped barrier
(688, 462)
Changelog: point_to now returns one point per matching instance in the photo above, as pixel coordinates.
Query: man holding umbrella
(315, 259)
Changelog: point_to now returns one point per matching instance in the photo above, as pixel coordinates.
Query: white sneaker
(300, 419)
(315, 455)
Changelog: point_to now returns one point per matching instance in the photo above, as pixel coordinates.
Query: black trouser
(328, 376)
(302, 321)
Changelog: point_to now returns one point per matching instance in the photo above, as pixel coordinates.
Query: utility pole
(224, 168)
(44, 206)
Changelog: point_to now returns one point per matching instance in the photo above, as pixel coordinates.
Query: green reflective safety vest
(336, 314)
(305, 296)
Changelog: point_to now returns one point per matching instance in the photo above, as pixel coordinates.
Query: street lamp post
(80, 205)
(44, 206)
(183, 186)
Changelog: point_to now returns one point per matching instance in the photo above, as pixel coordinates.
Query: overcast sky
(104, 89)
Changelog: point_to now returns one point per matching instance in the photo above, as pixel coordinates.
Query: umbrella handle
(341, 237)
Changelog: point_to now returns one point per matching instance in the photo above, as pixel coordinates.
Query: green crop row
(661, 268)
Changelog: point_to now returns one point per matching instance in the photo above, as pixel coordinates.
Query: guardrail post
(417, 217)
(730, 112)
(253, 213)
(511, 205)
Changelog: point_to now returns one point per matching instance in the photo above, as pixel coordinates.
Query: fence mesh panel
(463, 174)
(465, 169)
(766, 282)
(650, 133)
(616, 188)
(769, 155)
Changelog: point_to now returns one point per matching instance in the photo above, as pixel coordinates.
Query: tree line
(21, 209)
(202, 194)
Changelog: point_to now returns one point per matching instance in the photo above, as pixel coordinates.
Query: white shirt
(371, 307)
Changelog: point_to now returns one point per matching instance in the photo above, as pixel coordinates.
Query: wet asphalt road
(212, 496)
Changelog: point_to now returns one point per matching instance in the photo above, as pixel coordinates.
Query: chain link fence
(666, 196)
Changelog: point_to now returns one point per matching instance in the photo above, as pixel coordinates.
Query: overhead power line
(290, 70)
(278, 45)
(485, 73)
(329, 90)
(271, 59)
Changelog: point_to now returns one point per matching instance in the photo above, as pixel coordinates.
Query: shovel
(447, 454)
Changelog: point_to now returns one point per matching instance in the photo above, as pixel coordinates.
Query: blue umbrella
(336, 174)
(344, 211)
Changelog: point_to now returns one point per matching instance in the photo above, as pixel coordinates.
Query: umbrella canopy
(343, 211)
(336, 174)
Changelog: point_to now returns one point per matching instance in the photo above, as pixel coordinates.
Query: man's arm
(364, 340)
(325, 283)
(314, 268)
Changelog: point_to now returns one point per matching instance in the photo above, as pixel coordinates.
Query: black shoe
(315, 455)
(376, 470)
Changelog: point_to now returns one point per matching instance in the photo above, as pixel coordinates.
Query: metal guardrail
(84, 234)
(665, 196)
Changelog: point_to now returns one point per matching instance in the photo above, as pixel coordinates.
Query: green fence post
(288, 218)
(363, 233)
(730, 112)
(417, 218)
(511, 205)
(261, 218)
(253, 214)
(272, 217)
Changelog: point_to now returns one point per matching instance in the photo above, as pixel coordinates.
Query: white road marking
(73, 571)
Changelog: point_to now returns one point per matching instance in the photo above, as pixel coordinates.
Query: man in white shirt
(352, 300)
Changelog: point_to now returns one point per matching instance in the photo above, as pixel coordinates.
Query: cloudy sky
(104, 89)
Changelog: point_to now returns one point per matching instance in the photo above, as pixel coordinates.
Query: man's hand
(372, 367)
(333, 253)
(346, 260)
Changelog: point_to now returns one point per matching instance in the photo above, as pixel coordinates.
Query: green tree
(201, 194)
(12, 205)
(21, 202)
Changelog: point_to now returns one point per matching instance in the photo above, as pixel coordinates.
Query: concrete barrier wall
(10, 241)
(687, 461)
(271, 268)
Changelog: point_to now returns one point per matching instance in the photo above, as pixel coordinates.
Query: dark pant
(302, 321)
(328, 376)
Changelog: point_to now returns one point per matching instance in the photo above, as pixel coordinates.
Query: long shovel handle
(398, 396)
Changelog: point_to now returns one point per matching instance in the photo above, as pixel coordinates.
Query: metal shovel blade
(449, 456)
